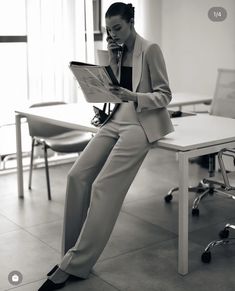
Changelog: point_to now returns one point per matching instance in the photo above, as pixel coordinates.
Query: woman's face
(118, 28)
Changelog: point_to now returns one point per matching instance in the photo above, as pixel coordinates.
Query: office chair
(204, 188)
(57, 138)
(224, 187)
(222, 105)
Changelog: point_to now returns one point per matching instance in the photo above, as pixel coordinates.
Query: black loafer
(53, 270)
(49, 286)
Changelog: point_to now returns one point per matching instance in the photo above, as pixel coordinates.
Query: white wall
(149, 19)
(194, 46)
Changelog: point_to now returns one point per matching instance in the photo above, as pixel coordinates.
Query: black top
(126, 77)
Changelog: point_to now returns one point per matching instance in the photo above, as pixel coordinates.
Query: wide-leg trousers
(96, 187)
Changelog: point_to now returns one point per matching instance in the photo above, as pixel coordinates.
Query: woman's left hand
(123, 93)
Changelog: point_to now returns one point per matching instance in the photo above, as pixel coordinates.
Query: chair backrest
(38, 128)
(223, 103)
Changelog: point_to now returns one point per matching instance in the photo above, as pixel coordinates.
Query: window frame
(13, 38)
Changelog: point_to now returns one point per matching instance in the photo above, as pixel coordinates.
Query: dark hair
(126, 11)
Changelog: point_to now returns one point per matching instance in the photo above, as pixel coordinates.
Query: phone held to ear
(118, 46)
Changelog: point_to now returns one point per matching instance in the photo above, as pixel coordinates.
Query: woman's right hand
(114, 54)
(112, 45)
(113, 50)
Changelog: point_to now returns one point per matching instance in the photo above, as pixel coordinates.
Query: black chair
(57, 138)
(224, 187)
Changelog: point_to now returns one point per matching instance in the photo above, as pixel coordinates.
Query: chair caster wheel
(195, 212)
(168, 198)
(224, 233)
(206, 257)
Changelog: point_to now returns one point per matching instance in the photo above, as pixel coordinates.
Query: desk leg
(20, 180)
(183, 214)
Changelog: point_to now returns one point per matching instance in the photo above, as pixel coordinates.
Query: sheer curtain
(56, 36)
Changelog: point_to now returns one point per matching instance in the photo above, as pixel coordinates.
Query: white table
(183, 99)
(193, 136)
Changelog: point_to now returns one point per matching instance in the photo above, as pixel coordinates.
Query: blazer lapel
(137, 63)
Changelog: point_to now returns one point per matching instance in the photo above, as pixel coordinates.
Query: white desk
(193, 136)
(183, 99)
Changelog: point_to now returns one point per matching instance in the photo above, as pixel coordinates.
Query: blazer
(150, 82)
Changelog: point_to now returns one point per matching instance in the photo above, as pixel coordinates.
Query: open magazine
(94, 81)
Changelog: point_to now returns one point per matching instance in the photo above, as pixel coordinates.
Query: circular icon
(15, 278)
(217, 14)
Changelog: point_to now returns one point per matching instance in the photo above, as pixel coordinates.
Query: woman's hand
(123, 93)
(113, 50)
(112, 45)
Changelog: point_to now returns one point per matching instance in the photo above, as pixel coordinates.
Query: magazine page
(94, 82)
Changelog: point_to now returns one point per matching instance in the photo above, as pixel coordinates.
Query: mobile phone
(119, 47)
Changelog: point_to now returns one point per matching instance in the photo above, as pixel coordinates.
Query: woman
(101, 177)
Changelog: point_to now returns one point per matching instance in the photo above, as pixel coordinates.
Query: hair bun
(132, 9)
(126, 11)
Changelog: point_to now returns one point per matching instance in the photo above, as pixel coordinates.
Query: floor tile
(22, 252)
(131, 233)
(142, 251)
(156, 211)
(31, 211)
(92, 284)
(50, 233)
(8, 185)
(6, 225)
(154, 268)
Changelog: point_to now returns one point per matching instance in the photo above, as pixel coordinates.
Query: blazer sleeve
(160, 95)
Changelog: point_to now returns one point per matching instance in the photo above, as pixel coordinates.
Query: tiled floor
(141, 254)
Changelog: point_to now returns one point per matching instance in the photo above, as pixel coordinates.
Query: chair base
(204, 188)
(224, 235)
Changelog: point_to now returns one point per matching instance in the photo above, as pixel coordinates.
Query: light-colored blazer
(150, 82)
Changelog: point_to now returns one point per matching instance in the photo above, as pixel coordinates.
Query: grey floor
(141, 254)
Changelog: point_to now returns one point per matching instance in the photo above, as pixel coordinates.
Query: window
(13, 58)
(97, 15)
(98, 36)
